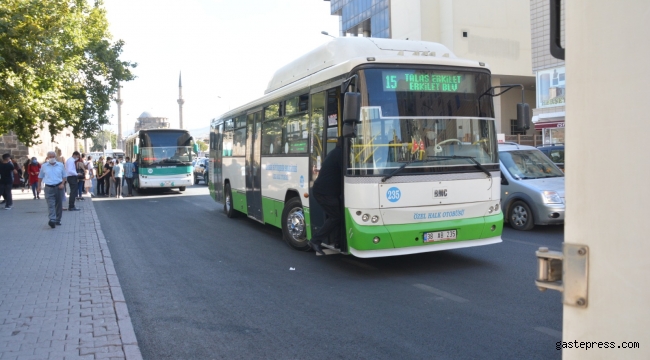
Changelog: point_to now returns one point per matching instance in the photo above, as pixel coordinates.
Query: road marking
(526, 243)
(359, 264)
(441, 293)
(548, 331)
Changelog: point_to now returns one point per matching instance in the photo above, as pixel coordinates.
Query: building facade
(496, 32)
(548, 116)
(147, 121)
(64, 144)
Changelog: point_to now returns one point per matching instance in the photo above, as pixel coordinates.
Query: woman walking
(81, 172)
(32, 170)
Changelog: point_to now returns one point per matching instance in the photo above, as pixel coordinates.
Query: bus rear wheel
(294, 226)
(228, 203)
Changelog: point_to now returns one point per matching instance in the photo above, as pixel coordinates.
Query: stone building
(148, 121)
(64, 144)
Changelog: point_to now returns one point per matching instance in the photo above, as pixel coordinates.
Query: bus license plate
(439, 236)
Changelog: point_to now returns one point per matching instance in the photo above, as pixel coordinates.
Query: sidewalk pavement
(59, 294)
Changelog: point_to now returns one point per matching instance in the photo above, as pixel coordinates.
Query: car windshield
(529, 164)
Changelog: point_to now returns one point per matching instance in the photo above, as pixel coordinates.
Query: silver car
(532, 187)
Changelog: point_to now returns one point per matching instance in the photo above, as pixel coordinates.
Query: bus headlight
(551, 197)
(365, 217)
(375, 219)
(491, 210)
(376, 240)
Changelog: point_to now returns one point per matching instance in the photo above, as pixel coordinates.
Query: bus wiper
(398, 170)
(470, 158)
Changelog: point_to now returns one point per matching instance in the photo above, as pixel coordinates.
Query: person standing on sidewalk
(6, 180)
(91, 174)
(73, 179)
(33, 169)
(26, 175)
(81, 172)
(129, 171)
(99, 189)
(118, 172)
(53, 176)
(108, 173)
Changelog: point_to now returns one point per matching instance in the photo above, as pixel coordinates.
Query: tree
(101, 138)
(202, 145)
(58, 67)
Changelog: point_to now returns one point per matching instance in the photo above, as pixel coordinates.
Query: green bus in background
(163, 158)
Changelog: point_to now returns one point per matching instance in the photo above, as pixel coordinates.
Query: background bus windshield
(166, 147)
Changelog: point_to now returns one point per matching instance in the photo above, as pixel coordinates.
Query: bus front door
(253, 166)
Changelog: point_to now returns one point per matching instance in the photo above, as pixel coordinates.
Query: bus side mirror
(523, 116)
(351, 110)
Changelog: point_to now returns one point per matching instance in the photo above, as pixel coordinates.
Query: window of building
(513, 128)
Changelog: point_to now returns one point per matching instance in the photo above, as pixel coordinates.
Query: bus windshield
(166, 148)
(432, 120)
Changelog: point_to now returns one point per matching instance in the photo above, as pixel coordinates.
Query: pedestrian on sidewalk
(81, 171)
(88, 183)
(53, 176)
(99, 176)
(118, 173)
(26, 176)
(32, 170)
(108, 180)
(18, 174)
(72, 179)
(6, 180)
(129, 172)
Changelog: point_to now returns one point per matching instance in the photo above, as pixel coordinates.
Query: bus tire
(228, 206)
(520, 216)
(182, 188)
(294, 226)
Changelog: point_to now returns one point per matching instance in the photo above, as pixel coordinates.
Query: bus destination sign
(428, 81)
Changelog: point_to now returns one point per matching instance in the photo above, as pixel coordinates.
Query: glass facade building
(370, 18)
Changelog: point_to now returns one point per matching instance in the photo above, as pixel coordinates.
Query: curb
(127, 334)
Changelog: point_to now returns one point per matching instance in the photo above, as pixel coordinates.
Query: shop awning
(549, 124)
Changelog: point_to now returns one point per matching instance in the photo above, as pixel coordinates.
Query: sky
(227, 51)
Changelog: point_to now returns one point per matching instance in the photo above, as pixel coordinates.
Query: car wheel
(182, 188)
(228, 206)
(294, 226)
(520, 216)
(196, 180)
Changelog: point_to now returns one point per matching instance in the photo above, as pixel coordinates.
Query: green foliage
(58, 67)
(202, 145)
(102, 137)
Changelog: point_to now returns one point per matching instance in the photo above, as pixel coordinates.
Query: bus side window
(332, 118)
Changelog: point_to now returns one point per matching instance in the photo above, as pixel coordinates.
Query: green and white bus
(421, 168)
(163, 158)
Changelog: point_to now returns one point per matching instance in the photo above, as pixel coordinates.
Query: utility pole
(119, 117)
(180, 102)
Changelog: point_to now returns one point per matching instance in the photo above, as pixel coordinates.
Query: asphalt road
(201, 286)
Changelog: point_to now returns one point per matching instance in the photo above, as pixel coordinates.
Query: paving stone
(60, 297)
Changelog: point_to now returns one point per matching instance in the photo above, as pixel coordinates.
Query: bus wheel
(182, 188)
(294, 227)
(228, 204)
(520, 216)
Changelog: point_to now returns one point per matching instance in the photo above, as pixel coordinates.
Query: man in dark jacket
(327, 191)
(6, 180)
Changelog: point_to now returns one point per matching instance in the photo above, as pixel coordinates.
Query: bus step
(329, 250)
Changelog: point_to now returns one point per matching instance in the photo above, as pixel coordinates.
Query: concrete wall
(498, 30)
(607, 191)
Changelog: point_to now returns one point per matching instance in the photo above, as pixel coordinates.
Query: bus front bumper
(407, 239)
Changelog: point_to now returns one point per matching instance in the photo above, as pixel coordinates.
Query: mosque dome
(145, 114)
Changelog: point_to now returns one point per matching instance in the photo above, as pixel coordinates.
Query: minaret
(119, 118)
(180, 101)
